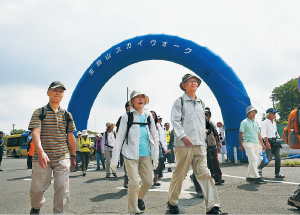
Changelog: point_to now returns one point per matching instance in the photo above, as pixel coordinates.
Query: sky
(44, 41)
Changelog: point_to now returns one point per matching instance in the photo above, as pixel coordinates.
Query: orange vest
(31, 149)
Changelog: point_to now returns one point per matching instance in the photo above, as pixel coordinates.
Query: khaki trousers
(142, 167)
(41, 180)
(195, 155)
(252, 153)
(108, 155)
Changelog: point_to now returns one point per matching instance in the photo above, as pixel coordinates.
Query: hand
(73, 163)
(155, 164)
(268, 145)
(169, 151)
(263, 147)
(166, 152)
(241, 148)
(43, 159)
(187, 141)
(103, 155)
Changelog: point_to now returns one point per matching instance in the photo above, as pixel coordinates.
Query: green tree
(287, 98)
(17, 131)
(264, 116)
(5, 139)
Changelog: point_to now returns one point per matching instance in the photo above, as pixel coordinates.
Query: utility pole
(127, 94)
(13, 128)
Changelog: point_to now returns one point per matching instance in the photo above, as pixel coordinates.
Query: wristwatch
(73, 156)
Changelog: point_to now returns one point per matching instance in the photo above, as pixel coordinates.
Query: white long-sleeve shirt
(188, 120)
(162, 137)
(130, 150)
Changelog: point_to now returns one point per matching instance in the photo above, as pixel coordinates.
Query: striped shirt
(53, 133)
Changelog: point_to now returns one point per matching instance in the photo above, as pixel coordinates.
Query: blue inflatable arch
(220, 77)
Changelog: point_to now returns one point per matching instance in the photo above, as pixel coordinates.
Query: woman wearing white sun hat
(139, 147)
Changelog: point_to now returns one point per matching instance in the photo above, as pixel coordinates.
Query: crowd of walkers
(142, 145)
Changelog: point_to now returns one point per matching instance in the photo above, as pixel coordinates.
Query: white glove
(113, 166)
(155, 164)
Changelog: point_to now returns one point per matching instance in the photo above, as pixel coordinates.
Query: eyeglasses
(192, 82)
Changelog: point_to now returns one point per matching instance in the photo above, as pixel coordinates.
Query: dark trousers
(275, 150)
(85, 158)
(1, 153)
(29, 162)
(100, 157)
(77, 159)
(160, 168)
(216, 165)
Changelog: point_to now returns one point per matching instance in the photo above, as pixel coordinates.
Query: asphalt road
(94, 194)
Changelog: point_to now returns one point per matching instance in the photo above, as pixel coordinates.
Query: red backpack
(292, 138)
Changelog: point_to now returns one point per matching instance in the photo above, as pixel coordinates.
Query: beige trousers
(108, 155)
(252, 153)
(41, 180)
(195, 155)
(142, 167)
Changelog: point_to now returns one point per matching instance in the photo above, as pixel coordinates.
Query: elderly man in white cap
(188, 120)
(250, 137)
(108, 143)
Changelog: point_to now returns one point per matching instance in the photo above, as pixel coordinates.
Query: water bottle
(265, 157)
(292, 131)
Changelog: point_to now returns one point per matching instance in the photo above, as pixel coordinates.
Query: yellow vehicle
(17, 145)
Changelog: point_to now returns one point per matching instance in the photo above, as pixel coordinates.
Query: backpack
(292, 139)
(130, 123)
(43, 113)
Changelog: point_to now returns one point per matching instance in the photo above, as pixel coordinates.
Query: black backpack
(43, 113)
(130, 123)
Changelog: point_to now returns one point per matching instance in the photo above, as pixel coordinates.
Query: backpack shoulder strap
(43, 113)
(129, 124)
(67, 119)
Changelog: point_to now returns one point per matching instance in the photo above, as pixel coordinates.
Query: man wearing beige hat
(108, 142)
(249, 138)
(188, 120)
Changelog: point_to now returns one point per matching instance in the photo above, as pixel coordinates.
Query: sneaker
(249, 179)
(260, 172)
(215, 210)
(115, 175)
(173, 209)
(98, 168)
(259, 180)
(293, 202)
(155, 181)
(199, 194)
(141, 204)
(107, 175)
(219, 181)
(34, 211)
(279, 176)
(169, 169)
(126, 181)
(84, 174)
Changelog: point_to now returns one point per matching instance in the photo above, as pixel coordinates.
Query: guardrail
(287, 150)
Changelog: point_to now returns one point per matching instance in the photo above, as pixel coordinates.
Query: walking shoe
(260, 172)
(173, 209)
(107, 175)
(259, 180)
(249, 179)
(115, 175)
(199, 194)
(215, 210)
(155, 181)
(279, 176)
(34, 211)
(219, 181)
(293, 202)
(84, 174)
(169, 169)
(98, 168)
(141, 204)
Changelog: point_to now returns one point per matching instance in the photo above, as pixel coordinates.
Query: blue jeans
(100, 157)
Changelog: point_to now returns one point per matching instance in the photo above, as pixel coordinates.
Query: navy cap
(1, 132)
(271, 110)
(56, 84)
